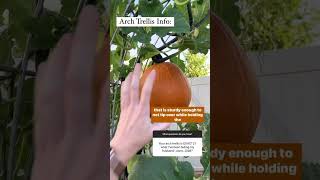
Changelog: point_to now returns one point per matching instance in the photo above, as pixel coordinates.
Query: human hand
(70, 107)
(135, 128)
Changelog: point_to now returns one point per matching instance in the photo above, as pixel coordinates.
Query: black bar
(177, 134)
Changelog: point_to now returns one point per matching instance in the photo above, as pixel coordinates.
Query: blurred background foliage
(270, 24)
(196, 65)
(29, 29)
(263, 25)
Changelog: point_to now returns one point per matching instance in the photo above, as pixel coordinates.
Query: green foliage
(150, 8)
(143, 42)
(310, 171)
(229, 12)
(47, 29)
(16, 22)
(274, 24)
(69, 7)
(20, 12)
(154, 8)
(159, 168)
(199, 39)
(197, 42)
(181, 2)
(205, 159)
(148, 51)
(196, 65)
(5, 48)
(267, 25)
(179, 62)
(205, 128)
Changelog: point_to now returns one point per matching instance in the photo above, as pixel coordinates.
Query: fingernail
(90, 9)
(153, 73)
(137, 66)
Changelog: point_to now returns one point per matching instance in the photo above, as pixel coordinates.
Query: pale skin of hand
(71, 104)
(70, 107)
(134, 128)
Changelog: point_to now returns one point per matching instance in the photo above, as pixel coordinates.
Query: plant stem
(81, 4)
(165, 1)
(21, 151)
(2, 148)
(176, 38)
(115, 92)
(15, 70)
(190, 15)
(10, 114)
(166, 45)
(202, 20)
(16, 117)
(117, 28)
(19, 102)
(167, 58)
(28, 168)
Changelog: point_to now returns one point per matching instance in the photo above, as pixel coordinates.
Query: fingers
(102, 112)
(40, 81)
(80, 74)
(50, 91)
(134, 93)
(101, 69)
(160, 126)
(102, 93)
(146, 91)
(125, 92)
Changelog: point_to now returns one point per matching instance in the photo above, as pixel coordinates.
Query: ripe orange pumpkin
(235, 94)
(170, 89)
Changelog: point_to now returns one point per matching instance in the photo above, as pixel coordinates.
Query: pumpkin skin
(235, 98)
(170, 87)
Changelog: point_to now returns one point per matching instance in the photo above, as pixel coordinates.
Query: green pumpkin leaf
(180, 63)
(20, 12)
(150, 8)
(181, 24)
(200, 8)
(148, 51)
(142, 36)
(159, 168)
(132, 163)
(310, 171)
(47, 29)
(185, 170)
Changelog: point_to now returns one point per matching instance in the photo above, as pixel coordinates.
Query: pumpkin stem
(157, 59)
